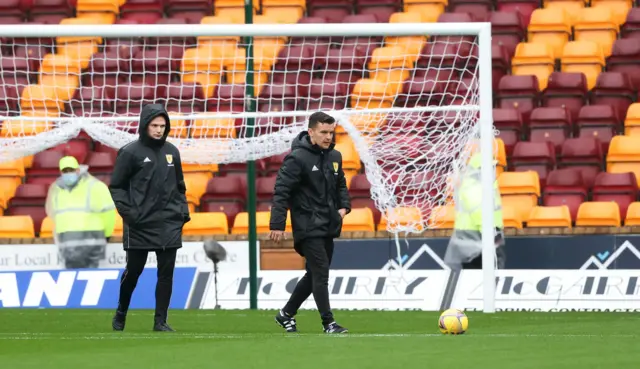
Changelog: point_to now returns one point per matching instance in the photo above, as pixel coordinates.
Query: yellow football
(453, 321)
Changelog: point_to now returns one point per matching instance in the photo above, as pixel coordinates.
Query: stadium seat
(583, 56)
(382, 9)
(584, 154)
(520, 190)
(632, 218)
(565, 187)
(511, 216)
(390, 65)
(224, 194)
(264, 192)
(549, 216)
(614, 89)
(442, 217)
(184, 98)
(619, 8)
(402, 216)
(624, 155)
(142, 11)
(241, 223)
(284, 11)
(631, 26)
(625, 58)
(500, 62)
(597, 25)
(46, 228)
(479, 10)
(11, 12)
(360, 187)
(550, 125)
(534, 59)
(46, 163)
(213, 127)
(196, 183)
(412, 45)
(429, 9)
(507, 29)
(598, 121)
(524, 7)
(621, 188)
(29, 195)
(371, 93)
(334, 11)
(566, 90)
(131, 97)
(520, 93)
(536, 156)
(359, 220)
(118, 229)
(19, 226)
(598, 214)
(205, 224)
(550, 26)
(197, 67)
(192, 10)
(571, 7)
(510, 127)
(105, 11)
(322, 96)
(632, 120)
(50, 11)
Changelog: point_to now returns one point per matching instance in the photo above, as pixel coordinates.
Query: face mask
(70, 179)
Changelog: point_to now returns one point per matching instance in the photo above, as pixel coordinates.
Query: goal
(412, 100)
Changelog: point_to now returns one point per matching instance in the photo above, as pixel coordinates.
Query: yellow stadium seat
(583, 57)
(511, 216)
(118, 230)
(46, 228)
(350, 157)
(624, 155)
(61, 73)
(534, 59)
(263, 60)
(204, 224)
(225, 45)
(443, 217)
(430, 10)
(632, 121)
(619, 8)
(204, 66)
(28, 161)
(499, 153)
(366, 123)
(412, 45)
(550, 26)
(14, 168)
(26, 127)
(270, 42)
(597, 25)
(571, 7)
(213, 127)
(241, 223)
(633, 215)
(390, 65)
(105, 10)
(520, 190)
(79, 49)
(41, 97)
(16, 226)
(371, 94)
(598, 214)
(359, 219)
(233, 9)
(179, 128)
(402, 216)
(196, 183)
(550, 216)
(284, 11)
(8, 187)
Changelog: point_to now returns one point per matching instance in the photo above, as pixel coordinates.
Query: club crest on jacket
(169, 158)
(335, 166)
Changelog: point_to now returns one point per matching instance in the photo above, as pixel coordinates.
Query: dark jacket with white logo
(147, 186)
(312, 185)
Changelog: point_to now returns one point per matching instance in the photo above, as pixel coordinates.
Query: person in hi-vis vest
(83, 215)
(465, 246)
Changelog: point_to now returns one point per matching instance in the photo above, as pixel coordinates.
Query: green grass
(70, 339)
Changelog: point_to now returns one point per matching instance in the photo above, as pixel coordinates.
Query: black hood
(303, 141)
(149, 112)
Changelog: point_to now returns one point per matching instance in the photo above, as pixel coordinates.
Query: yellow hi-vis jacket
(83, 215)
(466, 241)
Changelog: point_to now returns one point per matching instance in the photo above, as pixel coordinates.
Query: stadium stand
(566, 77)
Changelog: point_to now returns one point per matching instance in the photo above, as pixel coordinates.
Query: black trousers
(318, 253)
(136, 260)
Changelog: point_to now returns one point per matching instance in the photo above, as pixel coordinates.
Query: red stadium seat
(509, 124)
(192, 10)
(224, 194)
(614, 89)
(631, 28)
(37, 213)
(240, 169)
(598, 121)
(29, 195)
(274, 163)
(625, 58)
(565, 187)
(523, 7)
(92, 100)
(45, 164)
(11, 12)
(479, 10)
(228, 98)
(100, 163)
(50, 12)
(332, 10)
(499, 63)
(360, 187)
(550, 125)
(519, 92)
(156, 66)
(534, 156)
(621, 188)
(323, 96)
(142, 11)
(381, 9)
(184, 98)
(567, 90)
(264, 192)
(346, 65)
(131, 97)
(584, 154)
(507, 29)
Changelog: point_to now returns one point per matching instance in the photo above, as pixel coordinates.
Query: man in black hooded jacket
(148, 189)
(312, 185)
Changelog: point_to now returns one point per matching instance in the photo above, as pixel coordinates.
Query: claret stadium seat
(614, 89)
(631, 26)
(509, 124)
(507, 29)
(598, 214)
(565, 187)
(550, 216)
(50, 11)
(625, 58)
(536, 156)
(479, 10)
(520, 191)
(584, 154)
(224, 194)
(334, 11)
(600, 122)
(566, 90)
(29, 195)
(621, 188)
(524, 7)
(264, 192)
(519, 92)
(550, 26)
(382, 9)
(624, 155)
(142, 11)
(550, 125)
(583, 56)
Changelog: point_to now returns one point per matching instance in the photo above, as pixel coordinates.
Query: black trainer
(118, 321)
(334, 328)
(287, 322)
(162, 327)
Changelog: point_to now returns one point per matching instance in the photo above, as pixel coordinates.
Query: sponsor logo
(604, 259)
(405, 262)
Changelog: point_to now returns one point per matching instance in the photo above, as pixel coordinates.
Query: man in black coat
(312, 185)
(147, 186)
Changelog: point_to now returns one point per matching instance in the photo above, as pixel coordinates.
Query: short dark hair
(320, 117)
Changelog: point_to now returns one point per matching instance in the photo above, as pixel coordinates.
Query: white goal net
(407, 97)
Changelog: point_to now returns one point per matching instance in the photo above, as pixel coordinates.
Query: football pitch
(55, 338)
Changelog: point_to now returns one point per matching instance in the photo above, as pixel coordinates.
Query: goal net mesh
(406, 106)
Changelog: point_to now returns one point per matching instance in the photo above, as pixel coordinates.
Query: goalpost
(413, 100)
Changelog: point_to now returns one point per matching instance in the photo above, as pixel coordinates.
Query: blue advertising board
(549, 252)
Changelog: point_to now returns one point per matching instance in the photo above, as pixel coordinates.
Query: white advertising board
(348, 289)
(46, 257)
(553, 290)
